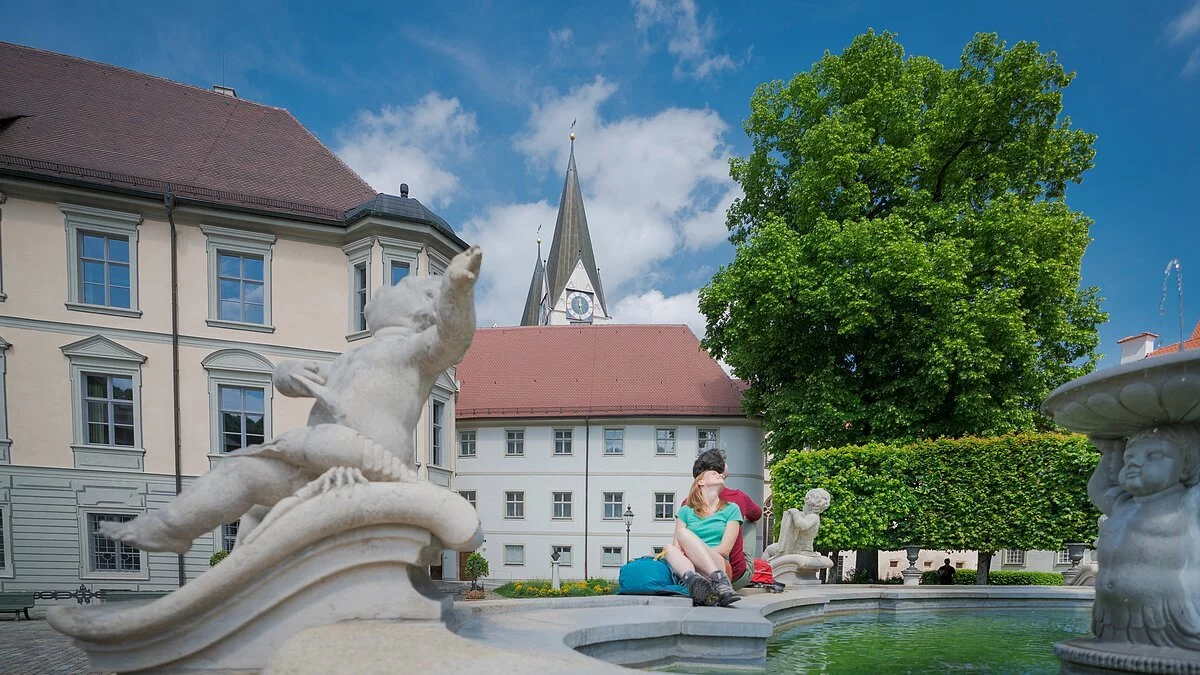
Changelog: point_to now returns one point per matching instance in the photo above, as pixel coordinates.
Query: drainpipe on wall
(3, 198)
(169, 205)
(587, 512)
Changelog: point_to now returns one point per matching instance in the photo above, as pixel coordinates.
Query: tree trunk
(982, 567)
(867, 559)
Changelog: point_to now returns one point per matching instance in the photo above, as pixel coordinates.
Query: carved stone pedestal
(355, 553)
(799, 570)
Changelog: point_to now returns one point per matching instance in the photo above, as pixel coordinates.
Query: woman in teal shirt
(705, 530)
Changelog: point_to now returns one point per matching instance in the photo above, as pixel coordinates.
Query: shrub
(569, 589)
(476, 567)
(860, 576)
(217, 557)
(473, 594)
(999, 578)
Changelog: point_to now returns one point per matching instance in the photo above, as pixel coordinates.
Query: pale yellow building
(161, 247)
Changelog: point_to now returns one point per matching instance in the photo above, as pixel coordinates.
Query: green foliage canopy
(476, 567)
(1021, 491)
(907, 266)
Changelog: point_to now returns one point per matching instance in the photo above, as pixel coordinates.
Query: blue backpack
(647, 576)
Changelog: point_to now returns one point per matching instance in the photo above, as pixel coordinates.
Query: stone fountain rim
(1112, 380)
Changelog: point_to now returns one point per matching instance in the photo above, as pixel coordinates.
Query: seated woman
(705, 530)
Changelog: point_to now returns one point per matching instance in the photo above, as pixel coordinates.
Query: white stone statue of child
(368, 401)
(1148, 582)
(798, 529)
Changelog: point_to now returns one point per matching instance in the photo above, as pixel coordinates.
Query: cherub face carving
(1153, 463)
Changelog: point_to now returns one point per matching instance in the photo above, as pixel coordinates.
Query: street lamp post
(628, 524)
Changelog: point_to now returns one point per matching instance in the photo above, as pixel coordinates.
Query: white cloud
(1193, 63)
(654, 307)
(653, 186)
(410, 145)
(1185, 25)
(561, 37)
(689, 38)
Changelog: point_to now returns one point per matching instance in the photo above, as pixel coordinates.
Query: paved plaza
(34, 648)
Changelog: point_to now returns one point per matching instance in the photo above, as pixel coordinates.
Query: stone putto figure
(1148, 582)
(792, 558)
(360, 428)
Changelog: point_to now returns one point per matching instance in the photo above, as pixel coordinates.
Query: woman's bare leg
(679, 562)
(702, 556)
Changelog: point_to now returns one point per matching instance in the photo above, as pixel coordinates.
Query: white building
(563, 428)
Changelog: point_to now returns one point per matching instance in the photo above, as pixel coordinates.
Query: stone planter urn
(912, 575)
(1144, 417)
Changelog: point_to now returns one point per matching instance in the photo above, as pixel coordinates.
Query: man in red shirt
(741, 564)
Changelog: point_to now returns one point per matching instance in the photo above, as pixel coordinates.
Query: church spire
(537, 288)
(572, 242)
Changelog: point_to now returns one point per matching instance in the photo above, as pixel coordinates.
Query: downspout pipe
(169, 205)
(587, 512)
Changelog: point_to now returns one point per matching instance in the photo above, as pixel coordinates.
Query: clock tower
(566, 289)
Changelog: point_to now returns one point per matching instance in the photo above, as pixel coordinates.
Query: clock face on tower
(579, 306)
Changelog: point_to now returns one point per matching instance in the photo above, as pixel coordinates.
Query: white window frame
(618, 551)
(674, 432)
(6, 572)
(669, 503)
(608, 502)
(568, 505)
(437, 262)
(99, 355)
(621, 449)
(398, 251)
(566, 554)
(1013, 557)
(509, 442)
(564, 439)
(518, 502)
(359, 255)
(1063, 557)
(467, 438)
(516, 548)
(5, 440)
(243, 243)
(85, 548)
(109, 223)
(472, 499)
(223, 536)
(437, 430)
(236, 368)
(703, 443)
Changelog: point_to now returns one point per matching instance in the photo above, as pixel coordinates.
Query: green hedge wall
(1021, 491)
(998, 578)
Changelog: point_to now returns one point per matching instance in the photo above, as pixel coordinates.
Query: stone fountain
(336, 529)
(1144, 417)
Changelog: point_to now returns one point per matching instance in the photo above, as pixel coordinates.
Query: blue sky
(470, 104)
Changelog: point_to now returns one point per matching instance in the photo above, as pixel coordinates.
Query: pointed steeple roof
(571, 242)
(533, 301)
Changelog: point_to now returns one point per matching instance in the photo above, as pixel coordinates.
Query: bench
(126, 596)
(17, 603)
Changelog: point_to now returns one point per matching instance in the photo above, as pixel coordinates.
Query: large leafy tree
(907, 264)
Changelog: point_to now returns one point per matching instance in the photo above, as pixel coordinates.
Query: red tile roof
(1193, 343)
(100, 124)
(577, 371)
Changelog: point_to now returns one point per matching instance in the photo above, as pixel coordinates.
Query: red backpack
(762, 572)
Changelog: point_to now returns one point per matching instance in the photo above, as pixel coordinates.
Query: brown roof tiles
(98, 123)
(592, 370)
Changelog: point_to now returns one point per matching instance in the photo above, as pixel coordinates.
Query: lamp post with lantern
(628, 524)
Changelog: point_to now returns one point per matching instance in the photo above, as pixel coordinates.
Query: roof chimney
(1136, 347)
(222, 89)
(404, 190)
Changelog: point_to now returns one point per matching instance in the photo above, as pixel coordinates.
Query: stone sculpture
(792, 558)
(1145, 419)
(335, 525)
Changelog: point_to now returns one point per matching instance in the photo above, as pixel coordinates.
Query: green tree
(907, 266)
(476, 567)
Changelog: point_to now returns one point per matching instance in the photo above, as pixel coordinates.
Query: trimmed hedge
(1021, 491)
(998, 578)
(217, 557)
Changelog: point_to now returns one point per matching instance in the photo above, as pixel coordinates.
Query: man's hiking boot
(724, 588)
(701, 590)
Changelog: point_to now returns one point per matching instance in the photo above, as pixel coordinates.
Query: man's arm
(750, 510)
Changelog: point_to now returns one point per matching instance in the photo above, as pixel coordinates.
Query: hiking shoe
(701, 590)
(724, 588)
